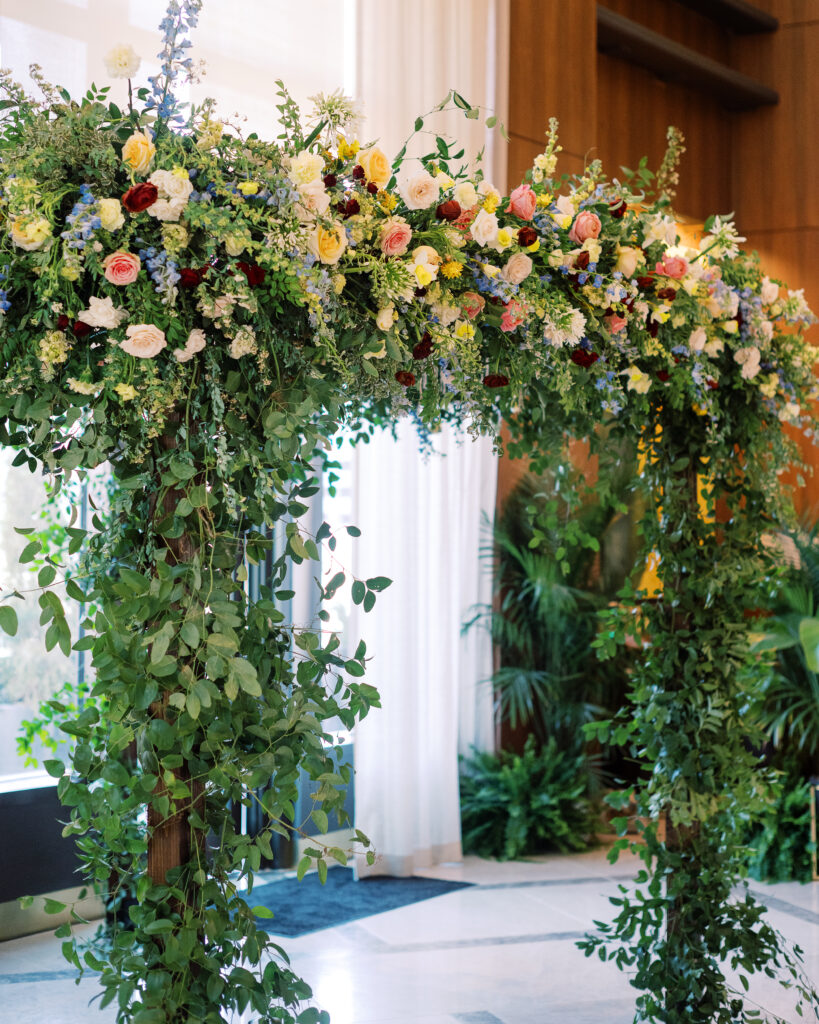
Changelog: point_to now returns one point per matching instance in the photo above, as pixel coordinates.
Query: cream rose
(484, 228)
(121, 268)
(110, 214)
(697, 339)
(102, 313)
(195, 343)
(628, 259)
(144, 341)
(419, 191)
(748, 359)
(138, 152)
(518, 268)
(770, 291)
(385, 318)
(327, 244)
(122, 61)
(30, 233)
(313, 200)
(375, 165)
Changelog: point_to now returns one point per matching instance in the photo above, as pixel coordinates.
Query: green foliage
(779, 845)
(516, 804)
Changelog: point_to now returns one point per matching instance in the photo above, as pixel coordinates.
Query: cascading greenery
(207, 333)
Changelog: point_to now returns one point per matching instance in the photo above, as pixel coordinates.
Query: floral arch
(204, 312)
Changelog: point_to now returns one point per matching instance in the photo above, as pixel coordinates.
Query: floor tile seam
(785, 907)
(552, 882)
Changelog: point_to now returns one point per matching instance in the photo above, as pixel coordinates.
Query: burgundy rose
(189, 277)
(495, 380)
(372, 188)
(423, 350)
(450, 210)
(358, 172)
(330, 180)
(667, 293)
(618, 210)
(582, 260)
(406, 378)
(653, 328)
(62, 322)
(583, 357)
(663, 375)
(645, 282)
(527, 236)
(255, 275)
(420, 293)
(81, 329)
(140, 197)
(712, 384)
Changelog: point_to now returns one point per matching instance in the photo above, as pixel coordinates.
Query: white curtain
(421, 526)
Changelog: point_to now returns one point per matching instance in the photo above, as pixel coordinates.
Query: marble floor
(500, 952)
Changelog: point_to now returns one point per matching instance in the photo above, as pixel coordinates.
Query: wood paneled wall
(761, 164)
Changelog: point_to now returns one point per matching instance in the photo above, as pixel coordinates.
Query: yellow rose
(138, 152)
(376, 166)
(30, 232)
(327, 244)
(110, 213)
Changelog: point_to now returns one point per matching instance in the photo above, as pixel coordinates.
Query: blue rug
(308, 906)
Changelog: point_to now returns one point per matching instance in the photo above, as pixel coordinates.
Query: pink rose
(673, 266)
(522, 202)
(395, 237)
(472, 304)
(121, 267)
(615, 323)
(143, 341)
(513, 316)
(586, 225)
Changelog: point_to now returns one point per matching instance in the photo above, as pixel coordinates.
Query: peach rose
(522, 202)
(615, 323)
(419, 191)
(143, 341)
(376, 166)
(138, 152)
(586, 225)
(327, 244)
(395, 236)
(472, 304)
(121, 267)
(672, 266)
(518, 268)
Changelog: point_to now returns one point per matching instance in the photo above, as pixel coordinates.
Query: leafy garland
(204, 311)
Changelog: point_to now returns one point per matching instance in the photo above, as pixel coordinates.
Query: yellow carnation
(248, 188)
(138, 152)
(376, 165)
(30, 232)
(110, 214)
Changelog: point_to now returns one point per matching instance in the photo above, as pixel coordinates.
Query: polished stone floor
(500, 952)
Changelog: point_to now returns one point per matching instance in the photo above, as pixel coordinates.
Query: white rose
(484, 228)
(465, 195)
(143, 341)
(697, 339)
(748, 359)
(565, 205)
(385, 318)
(102, 313)
(766, 330)
(314, 200)
(770, 291)
(518, 268)
(172, 185)
(419, 191)
(122, 61)
(628, 259)
(305, 167)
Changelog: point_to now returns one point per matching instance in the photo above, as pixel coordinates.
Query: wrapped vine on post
(204, 312)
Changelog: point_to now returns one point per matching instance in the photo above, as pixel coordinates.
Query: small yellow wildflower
(347, 149)
(452, 268)
(387, 202)
(545, 199)
(490, 204)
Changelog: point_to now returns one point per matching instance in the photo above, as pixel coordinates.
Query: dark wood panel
(552, 70)
(776, 151)
(635, 111)
(735, 15)
(675, 22)
(791, 12)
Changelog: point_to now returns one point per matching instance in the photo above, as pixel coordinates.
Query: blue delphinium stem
(180, 17)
